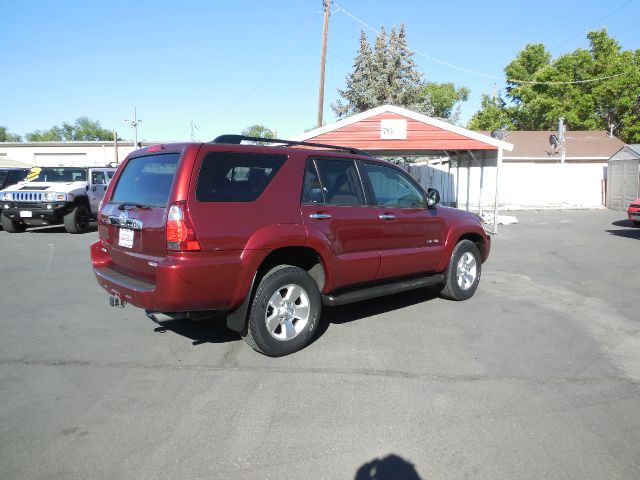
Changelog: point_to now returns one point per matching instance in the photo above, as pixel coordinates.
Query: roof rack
(237, 139)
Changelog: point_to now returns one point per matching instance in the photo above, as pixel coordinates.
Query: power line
(620, 7)
(275, 66)
(480, 74)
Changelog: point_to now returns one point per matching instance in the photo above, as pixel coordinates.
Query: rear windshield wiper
(124, 205)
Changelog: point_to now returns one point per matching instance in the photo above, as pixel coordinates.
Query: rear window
(235, 176)
(147, 180)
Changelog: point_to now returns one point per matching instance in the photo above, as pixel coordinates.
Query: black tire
(463, 273)
(77, 220)
(297, 316)
(10, 226)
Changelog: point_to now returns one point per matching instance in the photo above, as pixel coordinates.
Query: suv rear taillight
(181, 236)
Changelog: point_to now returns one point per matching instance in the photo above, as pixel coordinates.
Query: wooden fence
(430, 177)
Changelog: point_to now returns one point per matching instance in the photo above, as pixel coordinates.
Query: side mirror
(433, 197)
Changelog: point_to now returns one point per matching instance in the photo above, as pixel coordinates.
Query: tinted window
(57, 174)
(312, 191)
(3, 176)
(340, 182)
(236, 177)
(15, 176)
(147, 180)
(98, 178)
(392, 188)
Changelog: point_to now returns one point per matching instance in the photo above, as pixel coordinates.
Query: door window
(392, 188)
(98, 178)
(336, 182)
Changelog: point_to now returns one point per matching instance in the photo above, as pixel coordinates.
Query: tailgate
(133, 220)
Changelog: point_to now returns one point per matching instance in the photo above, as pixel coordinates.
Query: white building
(54, 154)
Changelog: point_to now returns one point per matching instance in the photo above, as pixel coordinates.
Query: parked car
(11, 176)
(268, 234)
(67, 196)
(634, 211)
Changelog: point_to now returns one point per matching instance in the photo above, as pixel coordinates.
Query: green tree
(445, 99)
(5, 136)
(493, 114)
(258, 130)
(595, 88)
(384, 74)
(83, 129)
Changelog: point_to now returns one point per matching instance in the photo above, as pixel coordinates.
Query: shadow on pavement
(215, 330)
(625, 223)
(391, 467)
(212, 330)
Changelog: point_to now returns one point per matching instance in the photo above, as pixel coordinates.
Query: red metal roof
(423, 134)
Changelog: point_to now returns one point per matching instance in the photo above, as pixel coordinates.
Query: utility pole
(134, 124)
(323, 58)
(194, 127)
(115, 146)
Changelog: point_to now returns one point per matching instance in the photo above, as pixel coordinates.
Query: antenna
(498, 134)
(193, 127)
(134, 124)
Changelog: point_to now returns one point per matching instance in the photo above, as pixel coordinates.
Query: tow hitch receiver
(116, 301)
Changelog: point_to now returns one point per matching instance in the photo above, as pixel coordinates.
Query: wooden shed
(623, 184)
(391, 131)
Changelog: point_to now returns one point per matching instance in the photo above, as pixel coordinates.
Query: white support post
(495, 208)
(457, 178)
(468, 183)
(481, 183)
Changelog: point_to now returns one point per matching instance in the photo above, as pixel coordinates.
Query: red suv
(267, 234)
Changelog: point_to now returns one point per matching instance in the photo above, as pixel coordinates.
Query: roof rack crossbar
(237, 139)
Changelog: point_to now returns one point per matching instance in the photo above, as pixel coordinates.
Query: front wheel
(463, 273)
(284, 312)
(10, 226)
(77, 220)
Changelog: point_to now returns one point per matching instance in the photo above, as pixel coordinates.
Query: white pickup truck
(68, 196)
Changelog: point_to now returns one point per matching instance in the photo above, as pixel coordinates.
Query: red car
(634, 211)
(268, 234)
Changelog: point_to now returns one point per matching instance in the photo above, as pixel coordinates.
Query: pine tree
(383, 75)
(358, 92)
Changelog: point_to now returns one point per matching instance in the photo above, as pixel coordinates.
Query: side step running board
(379, 290)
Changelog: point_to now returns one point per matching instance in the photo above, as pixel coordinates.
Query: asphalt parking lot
(536, 377)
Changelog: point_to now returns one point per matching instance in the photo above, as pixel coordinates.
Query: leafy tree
(384, 74)
(493, 114)
(258, 130)
(592, 89)
(8, 137)
(445, 99)
(83, 129)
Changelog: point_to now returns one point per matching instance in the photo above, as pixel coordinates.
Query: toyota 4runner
(268, 234)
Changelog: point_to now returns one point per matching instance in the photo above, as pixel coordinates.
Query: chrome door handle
(320, 216)
(386, 216)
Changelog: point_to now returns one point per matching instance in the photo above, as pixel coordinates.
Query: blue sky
(228, 64)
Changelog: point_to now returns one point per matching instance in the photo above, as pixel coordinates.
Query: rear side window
(147, 180)
(235, 176)
(340, 183)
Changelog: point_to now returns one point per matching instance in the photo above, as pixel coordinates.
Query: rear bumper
(185, 282)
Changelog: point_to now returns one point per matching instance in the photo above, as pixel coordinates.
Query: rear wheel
(284, 312)
(10, 226)
(463, 272)
(77, 220)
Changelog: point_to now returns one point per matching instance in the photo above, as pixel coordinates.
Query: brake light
(181, 236)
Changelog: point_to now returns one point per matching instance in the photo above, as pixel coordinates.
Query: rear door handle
(386, 216)
(320, 216)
